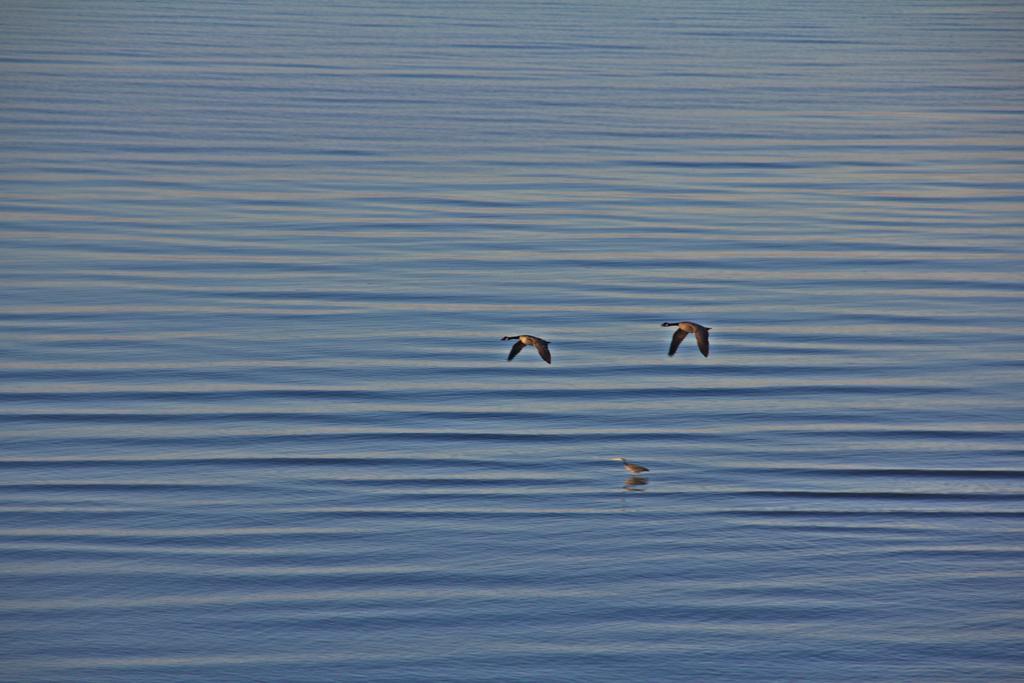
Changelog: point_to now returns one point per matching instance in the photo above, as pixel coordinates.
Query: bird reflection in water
(635, 483)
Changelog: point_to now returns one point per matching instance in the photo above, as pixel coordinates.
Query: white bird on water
(524, 340)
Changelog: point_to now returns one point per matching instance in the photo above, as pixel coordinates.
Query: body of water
(256, 421)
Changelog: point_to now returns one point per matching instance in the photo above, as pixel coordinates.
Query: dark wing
(677, 339)
(542, 349)
(516, 348)
(702, 341)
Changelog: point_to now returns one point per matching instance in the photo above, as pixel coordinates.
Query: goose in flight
(684, 328)
(524, 340)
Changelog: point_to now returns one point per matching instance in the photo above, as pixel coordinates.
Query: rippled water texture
(257, 421)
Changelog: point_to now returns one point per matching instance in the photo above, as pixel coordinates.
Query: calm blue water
(256, 423)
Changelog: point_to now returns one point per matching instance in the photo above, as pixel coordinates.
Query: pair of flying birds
(684, 328)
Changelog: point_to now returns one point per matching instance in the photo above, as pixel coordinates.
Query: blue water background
(256, 422)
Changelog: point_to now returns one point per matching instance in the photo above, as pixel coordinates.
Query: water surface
(256, 422)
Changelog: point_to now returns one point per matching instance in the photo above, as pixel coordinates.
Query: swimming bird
(524, 340)
(685, 328)
(632, 467)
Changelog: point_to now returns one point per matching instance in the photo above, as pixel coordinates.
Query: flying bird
(684, 328)
(524, 340)
(632, 467)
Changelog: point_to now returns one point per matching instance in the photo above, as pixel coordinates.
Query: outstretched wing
(516, 348)
(677, 339)
(542, 349)
(702, 341)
